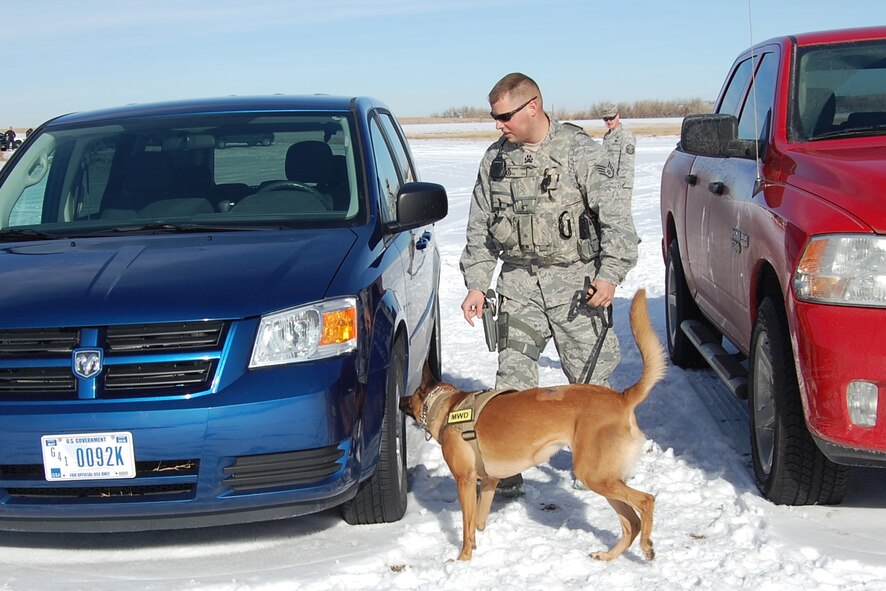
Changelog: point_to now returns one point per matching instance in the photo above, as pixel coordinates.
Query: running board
(725, 365)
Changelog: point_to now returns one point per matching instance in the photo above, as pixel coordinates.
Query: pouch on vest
(588, 236)
(503, 232)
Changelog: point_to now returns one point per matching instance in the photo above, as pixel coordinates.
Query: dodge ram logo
(87, 363)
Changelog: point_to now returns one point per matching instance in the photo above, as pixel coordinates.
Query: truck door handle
(691, 179)
(422, 243)
(716, 187)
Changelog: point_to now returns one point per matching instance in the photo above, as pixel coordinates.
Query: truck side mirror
(715, 136)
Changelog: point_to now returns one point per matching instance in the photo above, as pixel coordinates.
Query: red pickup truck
(773, 212)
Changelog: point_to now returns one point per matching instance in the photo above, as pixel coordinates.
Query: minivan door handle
(716, 187)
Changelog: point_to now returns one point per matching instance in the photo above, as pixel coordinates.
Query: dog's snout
(406, 405)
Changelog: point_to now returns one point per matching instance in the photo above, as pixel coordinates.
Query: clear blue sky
(419, 56)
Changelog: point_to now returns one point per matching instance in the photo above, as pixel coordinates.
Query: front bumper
(837, 345)
(270, 444)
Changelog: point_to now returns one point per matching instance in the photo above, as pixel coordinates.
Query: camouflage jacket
(531, 218)
(619, 145)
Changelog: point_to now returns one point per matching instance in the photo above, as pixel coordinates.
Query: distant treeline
(636, 110)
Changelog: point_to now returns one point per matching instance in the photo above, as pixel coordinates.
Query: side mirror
(715, 136)
(419, 204)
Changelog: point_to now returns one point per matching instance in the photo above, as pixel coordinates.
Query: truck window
(732, 96)
(760, 100)
(839, 90)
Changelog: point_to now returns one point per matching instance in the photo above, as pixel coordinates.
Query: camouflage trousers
(575, 336)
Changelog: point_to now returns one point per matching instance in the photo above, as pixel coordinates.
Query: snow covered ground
(712, 529)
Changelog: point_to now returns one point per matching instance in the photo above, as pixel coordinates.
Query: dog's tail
(654, 364)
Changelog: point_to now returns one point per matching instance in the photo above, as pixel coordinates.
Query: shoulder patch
(629, 148)
(605, 169)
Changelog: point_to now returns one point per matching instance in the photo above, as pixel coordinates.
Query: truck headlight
(847, 269)
(316, 331)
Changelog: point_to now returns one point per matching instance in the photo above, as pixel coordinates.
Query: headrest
(310, 162)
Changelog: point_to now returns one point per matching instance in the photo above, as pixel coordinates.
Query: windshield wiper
(25, 234)
(851, 132)
(164, 227)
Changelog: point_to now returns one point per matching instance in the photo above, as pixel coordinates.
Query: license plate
(88, 456)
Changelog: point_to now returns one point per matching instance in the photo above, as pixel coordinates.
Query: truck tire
(788, 466)
(679, 306)
(382, 498)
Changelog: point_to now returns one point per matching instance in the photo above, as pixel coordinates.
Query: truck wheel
(788, 466)
(382, 498)
(680, 306)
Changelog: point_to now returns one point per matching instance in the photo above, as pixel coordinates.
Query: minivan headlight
(316, 331)
(847, 269)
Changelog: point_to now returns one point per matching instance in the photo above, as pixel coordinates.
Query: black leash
(580, 305)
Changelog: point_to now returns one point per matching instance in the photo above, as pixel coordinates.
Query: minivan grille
(164, 337)
(267, 471)
(36, 365)
(159, 375)
(28, 343)
(162, 480)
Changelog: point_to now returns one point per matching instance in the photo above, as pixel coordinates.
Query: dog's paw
(649, 552)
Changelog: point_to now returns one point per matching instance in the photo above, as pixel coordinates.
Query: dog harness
(463, 417)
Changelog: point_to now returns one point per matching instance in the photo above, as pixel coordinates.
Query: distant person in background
(620, 145)
(10, 137)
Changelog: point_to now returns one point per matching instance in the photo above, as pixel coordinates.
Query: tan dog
(518, 430)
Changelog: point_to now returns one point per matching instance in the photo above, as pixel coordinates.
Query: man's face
(612, 122)
(518, 113)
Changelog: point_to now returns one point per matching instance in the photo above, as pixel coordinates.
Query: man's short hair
(520, 86)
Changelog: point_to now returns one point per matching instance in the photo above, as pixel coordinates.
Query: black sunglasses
(608, 119)
(505, 117)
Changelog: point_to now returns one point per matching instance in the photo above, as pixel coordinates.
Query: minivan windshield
(217, 171)
(840, 91)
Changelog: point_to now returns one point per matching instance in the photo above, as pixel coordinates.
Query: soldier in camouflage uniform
(620, 145)
(537, 190)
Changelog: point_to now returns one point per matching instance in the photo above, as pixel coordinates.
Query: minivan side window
(388, 179)
(398, 147)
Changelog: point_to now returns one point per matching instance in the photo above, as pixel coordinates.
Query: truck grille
(36, 365)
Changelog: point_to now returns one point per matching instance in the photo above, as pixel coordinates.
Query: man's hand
(600, 293)
(472, 307)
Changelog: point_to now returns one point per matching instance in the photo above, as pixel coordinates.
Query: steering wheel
(296, 186)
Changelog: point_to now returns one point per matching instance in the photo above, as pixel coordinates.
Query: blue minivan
(209, 310)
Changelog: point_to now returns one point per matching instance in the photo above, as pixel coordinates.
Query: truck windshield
(223, 171)
(840, 90)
